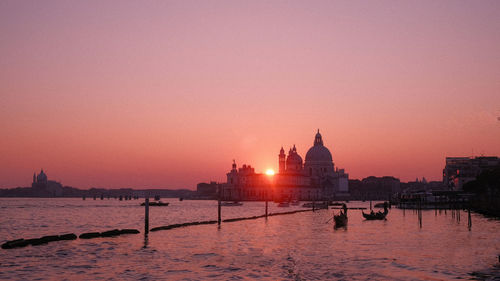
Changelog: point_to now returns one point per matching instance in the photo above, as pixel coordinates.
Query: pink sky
(164, 94)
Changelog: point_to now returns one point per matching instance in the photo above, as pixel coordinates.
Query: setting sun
(270, 172)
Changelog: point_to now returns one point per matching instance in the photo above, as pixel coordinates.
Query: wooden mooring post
(219, 212)
(146, 216)
(420, 213)
(469, 223)
(219, 196)
(266, 208)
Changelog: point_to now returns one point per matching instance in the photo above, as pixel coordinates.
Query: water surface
(292, 247)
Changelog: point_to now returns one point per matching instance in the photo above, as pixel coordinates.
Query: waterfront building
(460, 170)
(207, 190)
(42, 185)
(40, 180)
(374, 188)
(316, 178)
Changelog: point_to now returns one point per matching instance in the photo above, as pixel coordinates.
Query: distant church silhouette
(40, 180)
(43, 186)
(317, 178)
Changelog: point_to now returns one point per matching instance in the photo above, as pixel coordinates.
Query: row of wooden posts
(219, 213)
(455, 213)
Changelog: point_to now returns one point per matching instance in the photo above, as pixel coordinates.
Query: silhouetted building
(42, 185)
(40, 180)
(460, 170)
(207, 189)
(422, 186)
(374, 188)
(317, 178)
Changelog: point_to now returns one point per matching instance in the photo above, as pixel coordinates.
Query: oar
(330, 218)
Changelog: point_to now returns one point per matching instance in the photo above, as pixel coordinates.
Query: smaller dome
(294, 158)
(41, 177)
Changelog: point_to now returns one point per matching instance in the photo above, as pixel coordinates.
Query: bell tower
(282, 161)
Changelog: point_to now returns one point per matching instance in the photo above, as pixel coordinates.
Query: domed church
(315, 179)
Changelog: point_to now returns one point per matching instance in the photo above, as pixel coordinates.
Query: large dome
(318, 153)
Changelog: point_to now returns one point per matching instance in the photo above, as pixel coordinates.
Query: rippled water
(299, 246)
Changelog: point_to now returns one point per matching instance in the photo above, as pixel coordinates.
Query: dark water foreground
(298, 247)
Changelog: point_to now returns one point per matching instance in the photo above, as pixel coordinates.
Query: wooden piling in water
(218, 212)
(266, 208)
(420, 213)
(469, 223)
(146, 216)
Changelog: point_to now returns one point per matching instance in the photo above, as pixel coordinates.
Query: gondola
(341, 218)
(378, 215)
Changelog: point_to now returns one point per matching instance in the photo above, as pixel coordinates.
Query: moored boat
(335, 204)
(380, 205)
(159, 203)
(318, 205)
(284, 204)
(231, 204)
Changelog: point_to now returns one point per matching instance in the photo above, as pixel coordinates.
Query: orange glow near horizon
(165, 94)
(270, 172)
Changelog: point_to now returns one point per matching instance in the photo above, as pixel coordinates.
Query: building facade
(374, 188)
(316, 178)
(207, 190)
(460, 170)
(42, 184)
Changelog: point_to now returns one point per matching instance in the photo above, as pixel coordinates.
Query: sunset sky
(164, 94)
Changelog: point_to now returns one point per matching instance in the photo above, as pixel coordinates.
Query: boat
(295, 202)
(231, 204)
(381, 205)
(284, 204)
(159, 203)
(341, 219)
(378, 215)
(336, 204)
(319, 205)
